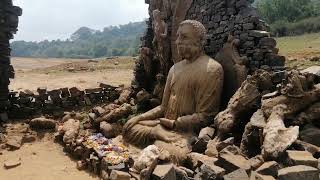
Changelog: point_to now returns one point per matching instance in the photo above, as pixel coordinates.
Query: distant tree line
(120, 40)
(290, 17)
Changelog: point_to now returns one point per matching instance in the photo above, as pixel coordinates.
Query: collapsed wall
(221, 18)
(8, 26)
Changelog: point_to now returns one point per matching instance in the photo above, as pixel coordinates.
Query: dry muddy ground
(41, 160)
(32, 73)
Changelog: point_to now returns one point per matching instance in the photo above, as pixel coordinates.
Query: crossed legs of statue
(152, 132)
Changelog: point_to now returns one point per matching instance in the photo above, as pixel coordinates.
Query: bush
(284, 28)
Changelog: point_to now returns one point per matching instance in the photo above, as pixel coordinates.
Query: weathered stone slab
(298, 173)
(302, 158)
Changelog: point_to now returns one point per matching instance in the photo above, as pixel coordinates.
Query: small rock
(200, 146)
(313, 70)
(14, 142)
(81, 165)
(146, 158)
(119, 175)
(104, 175)
(225, 143)
(211, 171)
(302, 158)
(29, 138)
(231, 150)
(236, 175)
(99, 111)
(232, 162)
(107, 130)
(189, 172)
(196, 160)
(298, 173)
(256, 161)
(164, 172)
(311, 134)
(263, 177)
(212, 149)
(12, 163)
(42, 123)
(269, 168)
(165, 156)
(206, 133)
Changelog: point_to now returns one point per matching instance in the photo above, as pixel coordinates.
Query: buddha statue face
(189, 41)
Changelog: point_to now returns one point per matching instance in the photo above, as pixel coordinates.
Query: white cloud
(57, 19)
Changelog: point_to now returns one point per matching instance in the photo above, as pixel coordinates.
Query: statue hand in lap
(191, 96)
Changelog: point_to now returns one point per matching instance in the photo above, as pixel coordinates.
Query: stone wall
(26, 104)
(221, 18)
(8, 26)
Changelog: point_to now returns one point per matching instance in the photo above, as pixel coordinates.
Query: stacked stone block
(240, 19)
(8, 26)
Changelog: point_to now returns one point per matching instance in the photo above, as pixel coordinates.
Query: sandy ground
(55, 73)
(42, 160)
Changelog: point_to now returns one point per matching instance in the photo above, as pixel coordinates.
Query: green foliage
(287, 10)
(308, 25)
(120, 40)
(290, 17)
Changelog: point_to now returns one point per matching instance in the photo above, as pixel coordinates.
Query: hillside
(120, 40)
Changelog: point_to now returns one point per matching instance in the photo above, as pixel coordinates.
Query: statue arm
(208, 95)
(159, 111)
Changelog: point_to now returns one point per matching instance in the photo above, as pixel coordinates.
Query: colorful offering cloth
(112, 153)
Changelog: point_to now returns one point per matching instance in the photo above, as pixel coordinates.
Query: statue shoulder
(212, 65)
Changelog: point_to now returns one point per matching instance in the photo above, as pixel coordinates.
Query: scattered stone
(212, 149)
(231, 150)
(147, 158)
(206, 133)
(99, 111)
(12, 163)
(232, 162)
(302, 158)
(200, 146)
(119, 175)
(269, 168)
(237, 175)
(107, 130)
(81, 165)
(311, 134)
(256, 161)
(70, 130)
(104, 175)
(196, 160)
(298, 173)
(258, 176)
(14, 142)
(211, 171)
(165, 156)
(29, 138)
(42, 123)
(225, 143)
(164, 172)
(313, 70)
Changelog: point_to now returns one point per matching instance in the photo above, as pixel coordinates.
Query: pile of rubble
(273, 135)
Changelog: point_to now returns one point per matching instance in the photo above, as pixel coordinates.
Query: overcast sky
(58, 19)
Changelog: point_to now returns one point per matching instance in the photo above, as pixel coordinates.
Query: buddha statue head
(191, 38)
